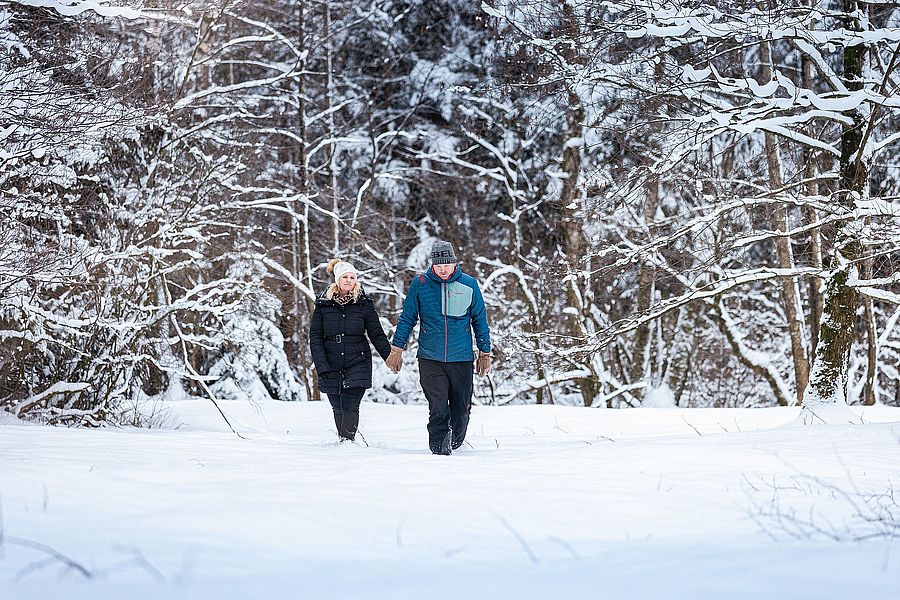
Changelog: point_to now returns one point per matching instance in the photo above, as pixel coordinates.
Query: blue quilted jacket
(448, 312)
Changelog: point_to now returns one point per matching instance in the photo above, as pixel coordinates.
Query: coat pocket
(330, 379)
(458, 300)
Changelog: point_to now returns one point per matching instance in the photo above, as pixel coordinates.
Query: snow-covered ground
(548, 502)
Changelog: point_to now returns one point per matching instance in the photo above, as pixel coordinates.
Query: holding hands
(395, 360)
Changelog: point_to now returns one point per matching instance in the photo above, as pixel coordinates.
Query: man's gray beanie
(442, 253)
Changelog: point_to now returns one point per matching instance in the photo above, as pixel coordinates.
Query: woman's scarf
(343, 300)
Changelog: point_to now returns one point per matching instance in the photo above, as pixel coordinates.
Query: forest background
(666, 202)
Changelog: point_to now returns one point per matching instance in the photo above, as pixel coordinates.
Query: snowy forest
(665, 202)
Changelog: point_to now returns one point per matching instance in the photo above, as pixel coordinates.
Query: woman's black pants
(346, 411)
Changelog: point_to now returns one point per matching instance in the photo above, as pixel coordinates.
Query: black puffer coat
(337, 341)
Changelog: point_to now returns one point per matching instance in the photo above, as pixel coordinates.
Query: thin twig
(187, 360)
(531, 555)
(691, 426)
(2, 527)
(53, 556)
(565, 544)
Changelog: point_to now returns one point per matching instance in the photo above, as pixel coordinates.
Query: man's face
(445, 271)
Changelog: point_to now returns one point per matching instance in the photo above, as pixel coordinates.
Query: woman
(343, 317)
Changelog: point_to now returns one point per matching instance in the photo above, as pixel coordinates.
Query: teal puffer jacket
(448, 312)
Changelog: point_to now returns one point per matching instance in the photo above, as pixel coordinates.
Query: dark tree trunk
(829, 378)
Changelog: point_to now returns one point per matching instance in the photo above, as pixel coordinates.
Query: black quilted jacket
(339, 345)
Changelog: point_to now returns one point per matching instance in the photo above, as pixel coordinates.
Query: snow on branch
(58, 388)
(853, 281)
(728, 280)
(636, 253)
(879, 294)
(299, 54)
(104, 8)
(77, 7)
(503, 269)
(759, 362)
(705, 22)
(536, 384)
(281, 270)
(236, 87)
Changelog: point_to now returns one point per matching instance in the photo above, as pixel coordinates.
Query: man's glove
(395, 360)
(483, 363)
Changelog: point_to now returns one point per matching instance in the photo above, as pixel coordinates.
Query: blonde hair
(333, 289)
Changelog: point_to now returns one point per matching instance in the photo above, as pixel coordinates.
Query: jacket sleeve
(376, 333)
(317, 341)
(479, 320)
(409, 316)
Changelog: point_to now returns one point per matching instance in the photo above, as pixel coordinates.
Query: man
(448, 304)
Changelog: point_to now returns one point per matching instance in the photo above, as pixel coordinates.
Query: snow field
(547, 502)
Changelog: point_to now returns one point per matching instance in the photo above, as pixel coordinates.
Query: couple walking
(448, 306)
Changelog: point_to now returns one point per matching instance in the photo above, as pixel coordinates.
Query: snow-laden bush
(252, 364)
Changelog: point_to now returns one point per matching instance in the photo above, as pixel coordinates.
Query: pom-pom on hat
(442, 253)
(339, 267)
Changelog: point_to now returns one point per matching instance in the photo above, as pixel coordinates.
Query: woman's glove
(395, 360)
(483, 363)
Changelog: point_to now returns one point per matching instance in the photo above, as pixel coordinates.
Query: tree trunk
(828, 382)
(574, 241)
(573, 236)
(298, 248)
(645, 285)
(790, 294)
(814, 287)
(640, 355)
(575, 244)
(679, 353)
(872, 341)
(329, 96)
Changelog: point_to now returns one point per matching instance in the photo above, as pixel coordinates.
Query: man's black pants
(346, 411)
(448, 389)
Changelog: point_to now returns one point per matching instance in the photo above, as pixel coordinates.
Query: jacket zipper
(446, 333)
(343, 347)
